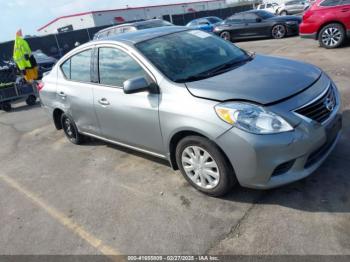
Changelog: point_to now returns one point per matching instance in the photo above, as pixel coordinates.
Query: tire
(71, 130)
(226, 35)
(221, 178)
(278, 31)
(31, 100)
(6, 106)
(284, 13)
(332, 36)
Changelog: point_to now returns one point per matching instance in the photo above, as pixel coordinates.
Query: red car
(327, 21)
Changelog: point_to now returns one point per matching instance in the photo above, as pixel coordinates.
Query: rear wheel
(283, 13)
(31, 100)
(6, 106)
(71, 130)
(332, 36)
(226, 35)
(278, 31)
(204, 166)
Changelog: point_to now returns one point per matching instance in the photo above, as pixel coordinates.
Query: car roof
(144, 35)
(137, 23)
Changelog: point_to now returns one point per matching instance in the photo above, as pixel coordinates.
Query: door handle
(62, 94)
(104, 102)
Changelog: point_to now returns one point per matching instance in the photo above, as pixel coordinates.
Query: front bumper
(269, 161)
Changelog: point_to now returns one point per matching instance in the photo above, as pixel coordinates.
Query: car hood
(263, 80)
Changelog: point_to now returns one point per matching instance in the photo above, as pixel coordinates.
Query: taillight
(40, 86)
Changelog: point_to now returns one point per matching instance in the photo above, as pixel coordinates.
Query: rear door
(75, 91)
(130, 119)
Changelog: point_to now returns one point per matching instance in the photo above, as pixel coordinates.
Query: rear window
(153, 24)
(330, 3)
(77, 68)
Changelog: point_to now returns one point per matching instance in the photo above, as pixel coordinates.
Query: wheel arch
(178, 136)
(328, 23)
(56, 115)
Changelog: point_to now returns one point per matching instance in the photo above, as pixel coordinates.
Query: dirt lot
(57, 198)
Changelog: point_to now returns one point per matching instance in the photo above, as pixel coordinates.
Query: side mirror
(136, 85)
(258, 20)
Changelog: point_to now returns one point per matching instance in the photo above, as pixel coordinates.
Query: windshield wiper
(215, 71)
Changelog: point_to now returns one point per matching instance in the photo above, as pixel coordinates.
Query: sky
(32, 14)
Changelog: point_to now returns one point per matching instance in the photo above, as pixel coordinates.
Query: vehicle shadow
(327, 190)
(95, 142)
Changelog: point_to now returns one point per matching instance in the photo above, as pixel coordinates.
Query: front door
(131, 119)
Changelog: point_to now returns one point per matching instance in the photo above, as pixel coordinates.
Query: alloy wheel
(226, 36)
(331, 36)
(200, 167)
(278, 31)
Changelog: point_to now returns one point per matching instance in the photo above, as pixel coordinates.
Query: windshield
(184, 55)
(264, 14)
(153, 24)
(214, 20)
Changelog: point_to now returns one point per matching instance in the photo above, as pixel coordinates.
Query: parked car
(216, 112)
(269, 7)
(257, 23)
(130, 27)
(292, 7)
(205, 23)
(327, 21)
(45, 62)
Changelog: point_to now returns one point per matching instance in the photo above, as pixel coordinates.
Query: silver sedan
(216, 112)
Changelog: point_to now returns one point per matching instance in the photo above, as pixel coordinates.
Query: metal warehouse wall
(59, 44)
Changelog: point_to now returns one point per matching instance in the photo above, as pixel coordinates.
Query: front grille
(283, 168)
(322, 108)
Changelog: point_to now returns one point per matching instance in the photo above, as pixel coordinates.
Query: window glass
(184, 55)
(250, 18)
(115, 67)
(214, 20)
(193, 23)
(80, 66)
(346, 2)
(268, 5)
(331, 3)
(236, 18)
(66, 69)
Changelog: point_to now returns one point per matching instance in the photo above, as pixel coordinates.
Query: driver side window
(115, 67)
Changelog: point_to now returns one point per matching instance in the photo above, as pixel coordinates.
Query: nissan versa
(219, 114)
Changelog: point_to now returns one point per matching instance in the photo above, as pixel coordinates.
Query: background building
(111, 17)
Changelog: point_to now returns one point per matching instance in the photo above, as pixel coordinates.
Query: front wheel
(71, 130)
(332, 36)
(226, 35)
(279, 31)
(204, 166)
(31, 100)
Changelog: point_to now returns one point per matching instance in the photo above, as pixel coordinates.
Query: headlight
(252, 118)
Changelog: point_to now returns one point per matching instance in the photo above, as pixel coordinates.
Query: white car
(269, 7)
